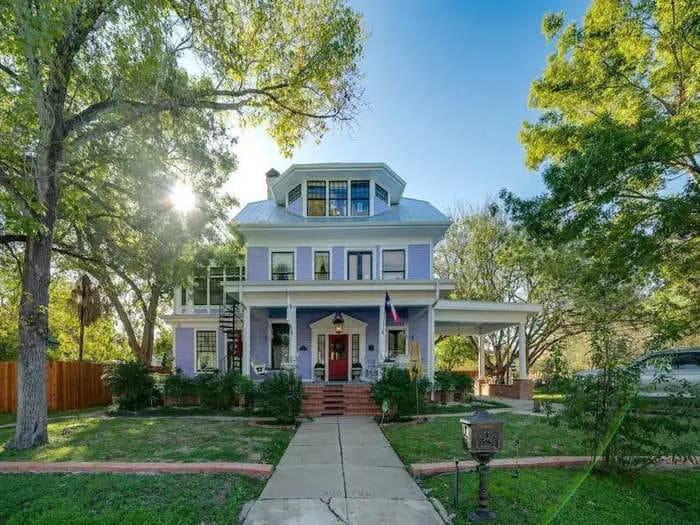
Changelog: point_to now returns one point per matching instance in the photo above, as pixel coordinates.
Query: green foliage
(463, 382)
(179, 386)
(163, 348)
(280, 394)
(617, 144)
(444, 380)
(405, 397)
(603, 407)
(554, 371)
(454, 351)
(221, 390)
(131, 381)
(491, 260)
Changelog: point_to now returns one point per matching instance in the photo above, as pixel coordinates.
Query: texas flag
(390, 310)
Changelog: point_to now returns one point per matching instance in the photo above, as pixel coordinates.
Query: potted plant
(356, 370)
(319, 371)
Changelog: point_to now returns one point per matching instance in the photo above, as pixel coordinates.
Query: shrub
(220, 391)
(405, 397)
(179, 386)
(463, 382)
(555, 372)
(604, 408)
(280, 395)
(131, 381)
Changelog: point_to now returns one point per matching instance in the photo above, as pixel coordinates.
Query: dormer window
(338, 198)
(359, 193)
(381, 193)
(316, 198)
(294, 194)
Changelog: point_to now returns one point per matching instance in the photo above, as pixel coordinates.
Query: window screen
(393, 264)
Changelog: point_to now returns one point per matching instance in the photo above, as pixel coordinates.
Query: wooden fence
(69, 385)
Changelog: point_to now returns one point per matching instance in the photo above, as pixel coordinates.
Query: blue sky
(446, 86)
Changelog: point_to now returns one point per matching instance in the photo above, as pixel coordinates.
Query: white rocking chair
(260, 370)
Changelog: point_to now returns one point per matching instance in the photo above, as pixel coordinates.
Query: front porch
(479, 318)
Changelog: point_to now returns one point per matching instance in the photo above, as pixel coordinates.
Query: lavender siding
(337, 263)
(296, 207)
(418, 261)
(184, 350)
(418, 330)
(258, 264)
(258, 336)
(380, 206)
(304, 263)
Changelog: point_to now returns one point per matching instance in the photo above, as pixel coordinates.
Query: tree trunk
(149, 324)
(31, 429)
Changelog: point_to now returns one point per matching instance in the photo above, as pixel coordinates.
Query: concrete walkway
(341, 470)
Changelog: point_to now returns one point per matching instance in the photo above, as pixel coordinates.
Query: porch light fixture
(338, 323)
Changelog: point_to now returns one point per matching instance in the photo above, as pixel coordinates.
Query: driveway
(341, 470)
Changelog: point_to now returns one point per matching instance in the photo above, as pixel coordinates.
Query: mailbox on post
(482, 437)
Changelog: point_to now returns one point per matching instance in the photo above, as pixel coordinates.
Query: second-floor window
(393, 264)
(359, 198)
(359, 266)
(282, 266)
(322, 266)
(316, 198)
(199, 295)
(216, 285)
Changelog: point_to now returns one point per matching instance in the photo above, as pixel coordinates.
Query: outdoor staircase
(328, 399)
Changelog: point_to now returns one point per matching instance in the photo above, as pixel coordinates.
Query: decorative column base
(481, 387)
(479, 516)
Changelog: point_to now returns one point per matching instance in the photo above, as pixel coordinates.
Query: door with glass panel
(359, 266)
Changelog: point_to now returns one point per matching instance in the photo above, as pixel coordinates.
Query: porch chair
(260, 370)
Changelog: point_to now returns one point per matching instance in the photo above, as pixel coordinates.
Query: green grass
(191, 411)
(124, 499)
(651, 497)
(554, 398)
(440, 439)
(7, 419)
(179, 439)
(461, 408)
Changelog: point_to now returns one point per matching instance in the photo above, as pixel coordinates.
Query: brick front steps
(339, 400)
(256, 470)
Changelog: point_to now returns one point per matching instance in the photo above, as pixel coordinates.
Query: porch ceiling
(479, 317)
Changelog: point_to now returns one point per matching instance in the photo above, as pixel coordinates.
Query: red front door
(338, 357)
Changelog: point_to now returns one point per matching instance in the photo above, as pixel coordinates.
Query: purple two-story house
(322, 253)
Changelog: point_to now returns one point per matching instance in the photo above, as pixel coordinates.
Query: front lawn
(178, 439)
(124, 498)
(651, 497)
(6, 419)
(440, 439)
(460, 408)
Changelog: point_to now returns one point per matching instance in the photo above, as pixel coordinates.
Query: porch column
(482, 358)
(245, 365)
(381, 353)
(431, 344)
(292, 320)
(522, 351)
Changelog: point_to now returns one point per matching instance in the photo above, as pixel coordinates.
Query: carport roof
(479, 317)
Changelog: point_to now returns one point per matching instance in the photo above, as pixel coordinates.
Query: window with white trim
(359, 198)
(338, 198)
(216, 285)
(294, 194)
(393, 264)
(322, 266)
(321, 348)
(282, 266)
(316, 198)
(205, 345)
(380, 193)
(359, 266)
(279, 345)
(396, 341)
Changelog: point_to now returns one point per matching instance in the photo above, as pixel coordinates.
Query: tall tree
(618, 146)
(491, 261)
(78, 71)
